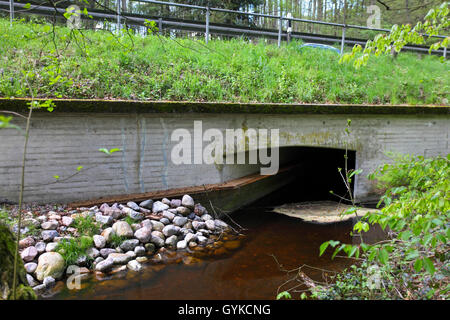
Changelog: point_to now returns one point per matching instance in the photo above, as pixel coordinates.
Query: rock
(99, 241)
(139, 251)
(157, 226)
(147, 223)
(206, 217)
(165, 201)
(158, 206)
(141, 259)
(180, 221)
(103, 207)
(171, 241)
(42, 219)
(118, 269)
(143, 235)
(183, 211)
(202, 239)
(175, 203)
(50, 225)
(39, 289)
(104, 220)
(165, 221)
(135, 226)
(220, 224)
(81, 261)
(192, 244)
(145, 211)
(197, 225)
(131, 254)
(147, 204)
(105, 265)
(190, 237)
(181, 245)
(210, 225)
(49, 282)
(187, 201)
(122, 229)
(191, 216)
(157, 241)
(199, 210)
(105, 252)
(51, 246)
(150, 248)
(115, 213)
(92, 253)
(98, 259)
(31, 281)
(29, 254)
(133, 205)
(107, 233)
(119, 258)
(40, 246)
(134, 265)
(128, 245)
(169, 215)
(54, 216)
(67, 221)
(50, 264)
(184, 231)
(133, 214)
(188, 225)
(170, 230)
(30, 267)
(49, 235)
(26, 242)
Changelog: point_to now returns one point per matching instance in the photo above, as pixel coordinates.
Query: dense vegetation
(414, 262)
(100, 65)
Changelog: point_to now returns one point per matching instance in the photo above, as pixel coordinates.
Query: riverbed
(249, 268)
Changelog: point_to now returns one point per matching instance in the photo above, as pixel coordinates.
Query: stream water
(249, 266)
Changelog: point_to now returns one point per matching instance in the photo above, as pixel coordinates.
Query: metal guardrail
(223, 29)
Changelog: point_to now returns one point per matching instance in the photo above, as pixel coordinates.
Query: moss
(132, 107)
(7, 250)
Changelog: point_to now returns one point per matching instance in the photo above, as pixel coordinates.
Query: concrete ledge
(137, 107)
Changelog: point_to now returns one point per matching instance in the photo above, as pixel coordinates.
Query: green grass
(72, 249)
(86, 225)
(116, 240)
(158, 68)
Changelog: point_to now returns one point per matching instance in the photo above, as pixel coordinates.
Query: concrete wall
(60, 142)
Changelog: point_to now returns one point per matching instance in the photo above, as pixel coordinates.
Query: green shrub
(116, 240)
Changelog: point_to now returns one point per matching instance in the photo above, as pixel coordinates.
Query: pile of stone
(173, 224)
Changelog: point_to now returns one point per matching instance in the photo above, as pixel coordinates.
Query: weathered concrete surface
(62, 141)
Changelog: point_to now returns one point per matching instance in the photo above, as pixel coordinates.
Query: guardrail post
(118, 16)
(280, 30)
(160, 25)
(207, 25)
(445, 53)
(343, 40)
(11, 11)
(289, 29)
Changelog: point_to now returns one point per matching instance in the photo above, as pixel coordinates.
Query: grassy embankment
(155, 68)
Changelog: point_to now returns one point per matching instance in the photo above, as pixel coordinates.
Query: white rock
(187, 201)
(29, 254)
(181, 244)
(99, 241)
(143, 235)
(122, 229)
(51, 246)
(158, 206)
(134, 265)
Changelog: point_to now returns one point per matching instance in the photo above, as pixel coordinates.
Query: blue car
(320, 46)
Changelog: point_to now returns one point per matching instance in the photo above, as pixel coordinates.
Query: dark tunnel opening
(316, 175)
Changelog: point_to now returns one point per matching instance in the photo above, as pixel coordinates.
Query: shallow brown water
(248, 272)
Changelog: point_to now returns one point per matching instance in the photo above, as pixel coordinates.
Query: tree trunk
(7, 250)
